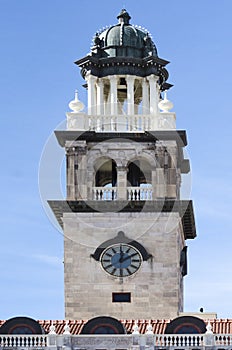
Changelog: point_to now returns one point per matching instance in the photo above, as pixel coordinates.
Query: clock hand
(121, 254)
(128, 257)
(125, 259)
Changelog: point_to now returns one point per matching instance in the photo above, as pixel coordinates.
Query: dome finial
(75, 105)
(165, 105)
(124, 17)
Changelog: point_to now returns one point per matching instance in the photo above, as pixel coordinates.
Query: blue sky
(40, 40)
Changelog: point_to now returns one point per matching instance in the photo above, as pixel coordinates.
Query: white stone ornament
(66, 328)
(165, 105)
(135, 329)
(149, 329)
(209, 328)
(76, 105)
(52, 329)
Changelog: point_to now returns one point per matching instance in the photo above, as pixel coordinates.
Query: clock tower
(124, 223)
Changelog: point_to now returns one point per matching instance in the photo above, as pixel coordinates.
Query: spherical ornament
(76, 105)
(165, 105)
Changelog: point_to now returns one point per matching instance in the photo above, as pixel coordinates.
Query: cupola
(124, 40)
(124, 49)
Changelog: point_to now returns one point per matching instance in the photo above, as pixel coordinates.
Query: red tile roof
(219, 326)
(223, 326)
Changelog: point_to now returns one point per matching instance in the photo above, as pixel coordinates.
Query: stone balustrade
(104, 193)
(139, 193)
(133, 193)
(121, 123)
(223, 339)
(179, 340)
(113, 342)
(23, 341)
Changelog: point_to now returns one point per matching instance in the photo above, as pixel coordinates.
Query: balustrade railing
(223, 339)
(121, 122)
(29, 341)
(133, 193)
(104, 193)
(124, 123)
(176, 341)
(179, 340)
(139, 193)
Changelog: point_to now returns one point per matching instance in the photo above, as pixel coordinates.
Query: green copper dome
(124, 49)
(124, 40)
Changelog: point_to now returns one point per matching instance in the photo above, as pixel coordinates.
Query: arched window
(139, 181)
(186, 325)
(106, 173)
(21, 325)
(139, 172)
(105, 179)
(103, 325)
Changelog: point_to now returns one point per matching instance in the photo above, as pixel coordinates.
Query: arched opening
(186, 325)
(21, 325)
(105, 179)
(139, 180)
(106, 173)
(103, 325)
(122, 95)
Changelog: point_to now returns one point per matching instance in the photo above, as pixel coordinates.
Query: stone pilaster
(70, 172)
(76, 171)
(122, 182)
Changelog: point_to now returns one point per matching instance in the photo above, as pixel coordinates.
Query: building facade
(124, 222)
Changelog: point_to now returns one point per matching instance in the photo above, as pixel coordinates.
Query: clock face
(121, 260)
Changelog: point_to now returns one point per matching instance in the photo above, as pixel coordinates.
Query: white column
(130, 79)
(113, 94)
(145, 96)
(153, 94)
(91, 80)
(100, 97)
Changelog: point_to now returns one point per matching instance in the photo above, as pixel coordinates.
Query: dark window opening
(104, 329)
(106, 174)
(105, 179)
(139, 175)
(186, 325)
(139, 172)
(21, 325)
(22, 329)
(183, 261)
(187, 329)
(121, 297)
(103, 325)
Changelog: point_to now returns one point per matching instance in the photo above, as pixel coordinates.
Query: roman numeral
(133, 266)
(133, 255)
(106, 267)
(110, 255)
